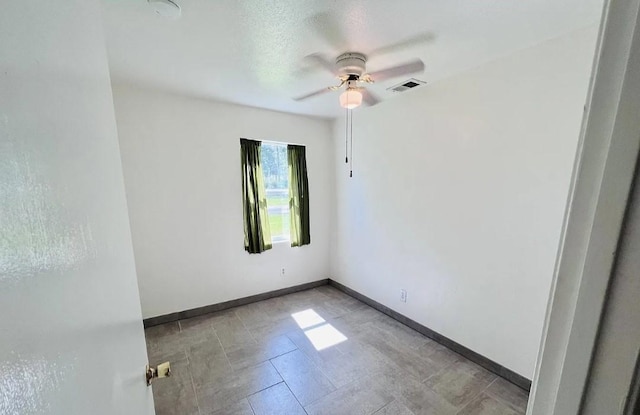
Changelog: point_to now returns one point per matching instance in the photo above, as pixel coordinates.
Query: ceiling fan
(350, 69)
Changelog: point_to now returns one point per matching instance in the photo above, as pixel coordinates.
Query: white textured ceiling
(251, 52)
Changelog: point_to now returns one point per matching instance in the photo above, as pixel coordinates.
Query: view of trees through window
(276, 179)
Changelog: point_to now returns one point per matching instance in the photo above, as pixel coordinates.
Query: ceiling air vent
(406, 85)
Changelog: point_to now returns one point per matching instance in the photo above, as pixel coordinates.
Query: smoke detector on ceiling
(166, 8)
(406, 85)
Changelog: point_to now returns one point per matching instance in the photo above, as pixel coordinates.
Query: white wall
(70, 320)
(181, 162)
(458, 195)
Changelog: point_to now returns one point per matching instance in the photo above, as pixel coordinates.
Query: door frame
(633, 397)
(600, 188)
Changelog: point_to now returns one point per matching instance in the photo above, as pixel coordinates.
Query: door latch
(163, 370)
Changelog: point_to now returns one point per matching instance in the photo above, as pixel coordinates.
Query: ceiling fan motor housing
(351, 63)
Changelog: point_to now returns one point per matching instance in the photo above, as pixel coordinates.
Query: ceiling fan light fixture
(351, 99)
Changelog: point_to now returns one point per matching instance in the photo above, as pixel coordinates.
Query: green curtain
(257, 236)
(298, 195)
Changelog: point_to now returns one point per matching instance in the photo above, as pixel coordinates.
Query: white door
(71, 337)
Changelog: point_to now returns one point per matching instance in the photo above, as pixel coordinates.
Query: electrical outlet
(403, 295)
(282, 272)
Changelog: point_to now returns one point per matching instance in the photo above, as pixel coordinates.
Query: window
(275, 168)
(275, 195)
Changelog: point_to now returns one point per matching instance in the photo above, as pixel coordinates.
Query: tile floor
(317, 352)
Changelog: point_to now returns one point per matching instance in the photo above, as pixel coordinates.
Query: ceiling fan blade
(329, 28)
(312, 94)
(395, 71)
(320, 60)
(369, 98)
(409, 42)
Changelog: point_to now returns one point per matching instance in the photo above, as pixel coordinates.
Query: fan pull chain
(351, 160)
(346, 135)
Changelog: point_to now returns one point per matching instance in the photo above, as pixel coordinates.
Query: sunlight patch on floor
(325, 336)
(307, 318)
(321, 334)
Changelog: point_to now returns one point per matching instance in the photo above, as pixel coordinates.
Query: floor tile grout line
(475, 396)
(258, 391)
(446, 367)
(384, 406)
(253, 410)
(282, 354)
(251, 394)
(334, 391)
(287, 385)
(263, 389)
(335, 388)
(317, 399)
(393, 394)
(500, 399)
(225, 353)
(245, 326)
(378, 409)
(193, 383)
(195, 392)
(489, 384)
(314, 363)
(264, 361)
(274, 368)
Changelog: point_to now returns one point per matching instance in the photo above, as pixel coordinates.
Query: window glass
(276, 180)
